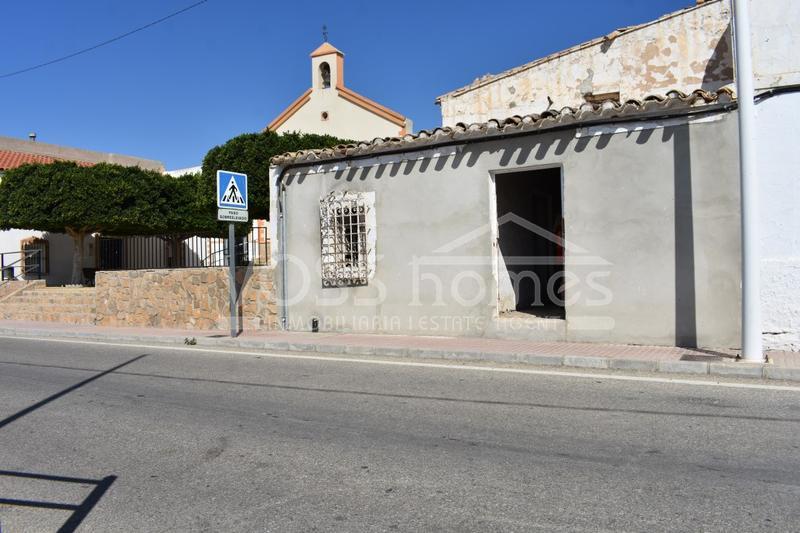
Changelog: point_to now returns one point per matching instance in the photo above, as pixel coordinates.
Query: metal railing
(23, 264)
(148, 253)
(219, 258)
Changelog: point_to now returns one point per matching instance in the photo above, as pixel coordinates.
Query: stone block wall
(187, 298)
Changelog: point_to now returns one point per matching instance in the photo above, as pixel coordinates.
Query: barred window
(347, 238)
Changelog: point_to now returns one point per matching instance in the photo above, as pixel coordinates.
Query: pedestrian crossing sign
(231, 190)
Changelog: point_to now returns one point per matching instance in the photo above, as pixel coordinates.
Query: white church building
(328, 107)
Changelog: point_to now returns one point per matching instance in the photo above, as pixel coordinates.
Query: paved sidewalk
(782, 365)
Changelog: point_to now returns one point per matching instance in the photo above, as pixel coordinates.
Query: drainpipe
(282, 251)
(752, 349)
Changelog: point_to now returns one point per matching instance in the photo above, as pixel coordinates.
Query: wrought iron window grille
(344, 234)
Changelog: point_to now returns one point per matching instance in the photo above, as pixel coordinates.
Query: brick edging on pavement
(696, 368)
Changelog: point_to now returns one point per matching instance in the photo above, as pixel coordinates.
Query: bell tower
(327, 68)
(328, 107)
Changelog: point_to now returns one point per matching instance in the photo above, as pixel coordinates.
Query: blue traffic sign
(231, 190)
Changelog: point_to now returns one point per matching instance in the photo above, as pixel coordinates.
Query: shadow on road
(6, 421)
(79, 511)
(447, 399)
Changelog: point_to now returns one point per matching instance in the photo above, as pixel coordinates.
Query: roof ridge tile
(672, 99)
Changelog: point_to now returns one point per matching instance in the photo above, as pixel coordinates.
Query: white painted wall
(9, 243)
(778, 164)
(10, 239)
(59, 247)
(776, 39)
(345, 119)
(183, 171)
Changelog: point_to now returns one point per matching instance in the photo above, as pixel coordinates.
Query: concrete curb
(721, 369)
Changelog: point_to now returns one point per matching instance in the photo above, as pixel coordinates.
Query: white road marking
(447, 366)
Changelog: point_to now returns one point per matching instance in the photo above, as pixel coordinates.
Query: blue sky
(227, 67)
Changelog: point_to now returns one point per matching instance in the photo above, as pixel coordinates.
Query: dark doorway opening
(530, 245)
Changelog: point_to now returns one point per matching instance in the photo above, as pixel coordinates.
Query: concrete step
(65, 318)
(49, 300)
(55, 296)
(27, 307)
(61, 290)
(69, 305)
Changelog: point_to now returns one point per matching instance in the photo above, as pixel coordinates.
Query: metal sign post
(232, 207)
(232, 278)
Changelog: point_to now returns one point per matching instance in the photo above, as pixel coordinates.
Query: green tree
(190, 213)
(64, 197)
(250, 154)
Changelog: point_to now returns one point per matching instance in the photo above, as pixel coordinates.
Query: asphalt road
(176, 440)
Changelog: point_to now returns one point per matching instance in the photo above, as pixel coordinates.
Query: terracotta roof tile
(325, 49)
(10, 159)
(609, 109)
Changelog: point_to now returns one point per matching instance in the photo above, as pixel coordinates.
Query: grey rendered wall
(662, 206)
(651, 221)
(418, 209)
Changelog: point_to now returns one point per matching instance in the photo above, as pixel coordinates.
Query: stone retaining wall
(187, 298)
